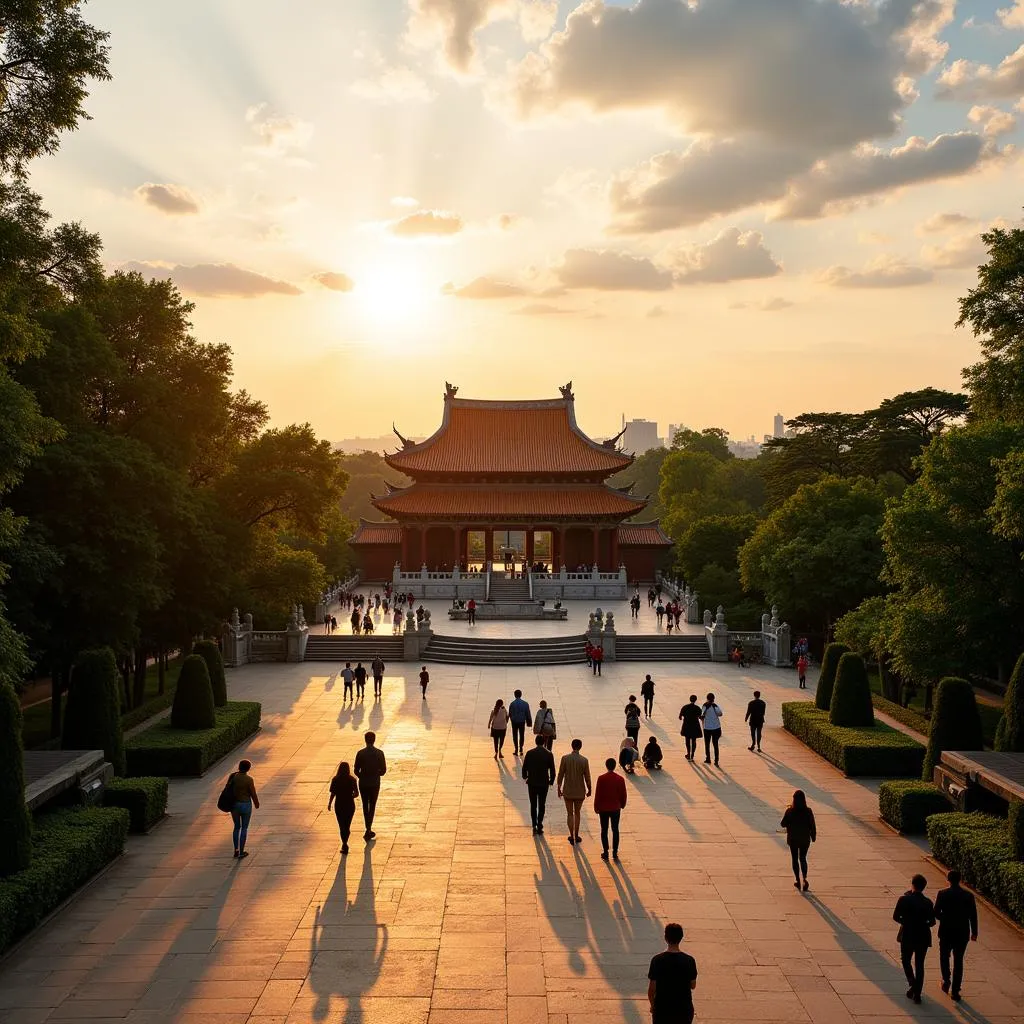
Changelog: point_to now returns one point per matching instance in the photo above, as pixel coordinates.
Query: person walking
(369, 767)
(691, 730)
(471, 612)
(377, 670)
(659, 610)
(520, 717)
(360, 674)
(539, 773)
(672, 977)
(915, 915)
(498, 725)
(632, 712)
(755, 718)
(424, 680)
(244, 791)
(597, 659)
(801, 831)
(711, 716)
(347, 676)
(344, 791)
(647, 692)
(609, 801)
(574, 786)
(396, 625)
(957, 914)
(801, 671)
(544, 724)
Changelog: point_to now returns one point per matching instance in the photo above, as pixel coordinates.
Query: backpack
(633, 718)
(226, 800)
(547, 727)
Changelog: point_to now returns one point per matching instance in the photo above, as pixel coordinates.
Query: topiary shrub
(144, 798)
(906, 804)
(1010, 732)
(827, 676)
(15, 823)
(1016, 819)
(92, 716)
(955, 725)
(193, 699)
(851, 696)
(210, 653)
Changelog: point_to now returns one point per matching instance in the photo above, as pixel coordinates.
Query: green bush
(144, 798)
(906, 803)
(956, 724)
(15, 824)
(210, 653)
(851, 696)
(1010, 733)
(979, 847)
(68, 847)
(193, 706)
(906, 716)
(1016, 823)
(164, 750)
(92, 717)
(827, 675)
(875, 750)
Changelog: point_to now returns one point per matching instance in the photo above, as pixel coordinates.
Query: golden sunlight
(394, 293)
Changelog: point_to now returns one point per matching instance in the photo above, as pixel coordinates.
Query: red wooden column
(405, 549)
(488, 545)
(529, 546)
(558, 542)
(597, 545)
(615, 549)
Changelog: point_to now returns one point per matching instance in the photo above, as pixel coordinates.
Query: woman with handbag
(498, 724)
(544, 724)
(801, 831)
(344, 791)
(241, 790)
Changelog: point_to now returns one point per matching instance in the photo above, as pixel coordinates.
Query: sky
(702, 212)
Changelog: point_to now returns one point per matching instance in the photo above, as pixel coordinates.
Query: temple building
(508, 480)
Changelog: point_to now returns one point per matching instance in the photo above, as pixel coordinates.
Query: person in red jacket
(609, 799)
(597, 658)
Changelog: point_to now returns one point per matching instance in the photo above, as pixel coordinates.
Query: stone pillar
(608, 637)
(405, 548)
(295, 638)
(718, 637)
(615, 549)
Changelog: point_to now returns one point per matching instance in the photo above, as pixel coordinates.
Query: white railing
(529, 577)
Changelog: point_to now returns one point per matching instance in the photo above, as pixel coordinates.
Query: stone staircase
(505, 589)
(345, 647)
(459, 650)
(658, 647)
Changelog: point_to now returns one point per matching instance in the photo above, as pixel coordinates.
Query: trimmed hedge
(144, 712)
(15, 823)
(827, 675)
(210, 653)
(68, 847)
(1010, 731)
(164, 750)
(1015, 818)
(851, 696)
(144, 798)
(978, 846)
(875, 750)
(906, 803)
(956, 724)
(906, 716)
(193, 706)
(92, 716)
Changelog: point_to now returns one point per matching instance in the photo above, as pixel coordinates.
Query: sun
(394, 293)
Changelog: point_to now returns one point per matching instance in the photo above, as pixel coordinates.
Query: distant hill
(367, 475)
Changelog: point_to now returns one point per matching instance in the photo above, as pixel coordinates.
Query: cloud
(455, 24)
(965, 80)
(940, 222)
(214, 280)
(868, 171)
(334, 282)
(606, 270)
(507, 221)
(1012, 17)
(994, 122)
(485, 288)
(173, 199)
(540, 309)
(404, 201)
(426, 223)
(884, 272)
(393, 84)
(731, 256)
(656, 312)
(278, 134)
(957, 253)
(764, 305)
(801, 72)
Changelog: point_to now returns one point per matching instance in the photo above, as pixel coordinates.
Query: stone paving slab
(457, 913)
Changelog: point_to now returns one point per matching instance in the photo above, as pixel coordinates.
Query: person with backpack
(344, 791)
(239, 797)
(801, 831)
(377, 669)
(360, 674)
(711, 716)
(633, 720)
(544, 724)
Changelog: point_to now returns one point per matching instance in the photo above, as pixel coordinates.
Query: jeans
(572, 814)
(471, 616)
(518, 735)
(369, 792)
(240, 815)
(538, 801)
(613, 818)
(347, 692)
(957, 947)
(799, 857)
(915, 976)
(755, 734)
(597, 667)
(498, 736)
(711, 736)
(344, 813)
(648, 705)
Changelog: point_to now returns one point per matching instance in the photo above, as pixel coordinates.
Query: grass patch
(68, 847)
(907, 716)
(907, 803)
(144, 798)
(163, 750)
(979, 846)
(875, 750)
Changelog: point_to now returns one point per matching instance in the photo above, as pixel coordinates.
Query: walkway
(457, 914)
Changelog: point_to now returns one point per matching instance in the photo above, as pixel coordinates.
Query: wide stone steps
(345, 647)
(683, 647)
(458, 650)
(510, 590)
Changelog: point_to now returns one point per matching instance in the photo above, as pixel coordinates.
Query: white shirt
(713, 717)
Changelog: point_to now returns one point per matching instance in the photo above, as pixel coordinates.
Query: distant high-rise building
(673, 429)
(779, 427)
(640, 436)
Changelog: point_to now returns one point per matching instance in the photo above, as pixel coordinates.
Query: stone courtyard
(458, 913)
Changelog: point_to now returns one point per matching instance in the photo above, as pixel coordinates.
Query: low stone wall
(510, 610)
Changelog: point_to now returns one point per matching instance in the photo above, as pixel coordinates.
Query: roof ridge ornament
(406, 443)
(450, 390)
(613, 441)
(567, 394)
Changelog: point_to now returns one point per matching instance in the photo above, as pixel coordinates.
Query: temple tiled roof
(643, 535)
(376, 533)
(488, 502)
(495, 438)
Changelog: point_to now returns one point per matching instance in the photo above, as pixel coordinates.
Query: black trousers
(345, 813)
(799, 857)
(957, 947)
(633, 733)
(691, 745)
(369, 794)
(755, 733)
(711, 736)
(471, 616)
(538, 801)
(378, 682)
(915, 974)
(518, 735)
(347, 692)
(648, 705)
(609, 818)
(498, 737)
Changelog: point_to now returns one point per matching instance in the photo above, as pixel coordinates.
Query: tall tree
(713, 441)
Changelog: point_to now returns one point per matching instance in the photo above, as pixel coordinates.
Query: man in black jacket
(368, 767)
(915, 914)
(539, 772)
(755, 717)
(957, 914)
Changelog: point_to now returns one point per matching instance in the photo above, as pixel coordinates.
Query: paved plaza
(457, 913)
